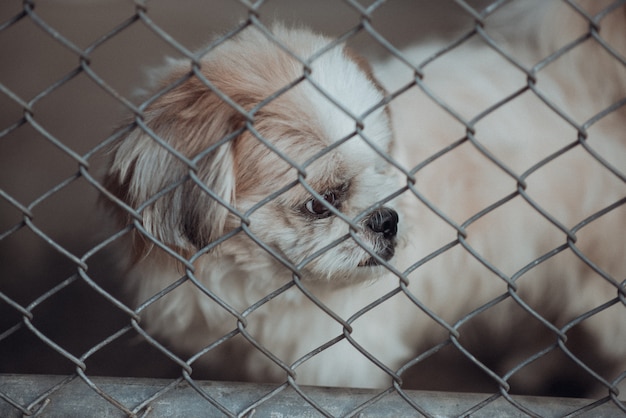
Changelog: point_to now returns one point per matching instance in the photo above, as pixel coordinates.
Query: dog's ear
(147, 173)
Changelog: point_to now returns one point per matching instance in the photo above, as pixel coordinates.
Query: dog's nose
(384, 221)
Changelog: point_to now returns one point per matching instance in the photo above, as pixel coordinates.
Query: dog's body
(281, 233)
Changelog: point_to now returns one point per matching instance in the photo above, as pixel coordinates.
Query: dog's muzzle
(382, 224)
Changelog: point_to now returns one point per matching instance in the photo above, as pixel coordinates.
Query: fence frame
(66, 396)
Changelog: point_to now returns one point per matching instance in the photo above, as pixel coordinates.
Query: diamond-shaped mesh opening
(445, 215)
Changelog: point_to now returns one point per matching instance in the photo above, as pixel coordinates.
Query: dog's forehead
(337, 95)
(339, 91)
(347, 103)
(337, 101)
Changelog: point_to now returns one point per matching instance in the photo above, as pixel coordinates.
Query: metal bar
(76, 398)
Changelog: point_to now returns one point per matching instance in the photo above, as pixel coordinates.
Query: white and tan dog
(278, 192)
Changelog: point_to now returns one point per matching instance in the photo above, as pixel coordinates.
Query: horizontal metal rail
(160, 398)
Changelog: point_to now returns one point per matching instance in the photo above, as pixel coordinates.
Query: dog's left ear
(145, 172)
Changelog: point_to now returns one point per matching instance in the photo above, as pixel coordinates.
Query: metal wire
(29, 313)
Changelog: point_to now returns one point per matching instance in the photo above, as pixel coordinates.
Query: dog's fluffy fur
(278, 233)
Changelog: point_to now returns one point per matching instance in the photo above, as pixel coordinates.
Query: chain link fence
(67, 322)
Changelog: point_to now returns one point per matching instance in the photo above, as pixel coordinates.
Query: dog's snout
(385, 222)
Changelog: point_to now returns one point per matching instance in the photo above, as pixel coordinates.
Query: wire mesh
(110, 324)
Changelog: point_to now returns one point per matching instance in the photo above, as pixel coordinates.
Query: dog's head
(278, 147)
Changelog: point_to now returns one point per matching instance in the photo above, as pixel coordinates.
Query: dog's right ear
(149, 177)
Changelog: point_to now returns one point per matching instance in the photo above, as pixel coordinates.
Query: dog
(295, 213)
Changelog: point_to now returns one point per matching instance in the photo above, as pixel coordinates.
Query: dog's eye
(317, 208)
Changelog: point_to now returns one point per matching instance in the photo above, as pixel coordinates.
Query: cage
(74, 340)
